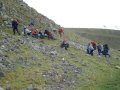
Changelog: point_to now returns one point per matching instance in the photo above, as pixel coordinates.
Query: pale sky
(80, 13)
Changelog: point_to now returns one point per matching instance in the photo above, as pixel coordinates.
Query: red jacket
(61, 30)
(93, 44)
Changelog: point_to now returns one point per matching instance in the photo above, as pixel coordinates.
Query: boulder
(1, 59)
(2, 74)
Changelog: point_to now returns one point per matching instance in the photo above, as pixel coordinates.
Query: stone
(2, 47)
(53, 52)
(117, 67)
(2, 74)
(31, 87)
(1, 59)
(1, 88)
(1, 53)
(5, 17)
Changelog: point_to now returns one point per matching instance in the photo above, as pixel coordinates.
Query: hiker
(46, 32)
(65, 45)
(94, 45)
(32, 22)
(15, 26)
(34, 33)
(99, 48)
(61, 32)
(50, 35)
(40, 35)
(106, 50)
(26, 31)
(90, 49)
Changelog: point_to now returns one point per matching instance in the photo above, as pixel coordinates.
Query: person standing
(61, 32)
(15, 26)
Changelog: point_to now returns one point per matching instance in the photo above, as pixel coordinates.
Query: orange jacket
(34, 32)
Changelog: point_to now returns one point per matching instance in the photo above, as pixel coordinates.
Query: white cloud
(80, 13)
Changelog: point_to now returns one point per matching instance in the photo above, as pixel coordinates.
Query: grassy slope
(108, 81)
(112, 37)
(97, 73)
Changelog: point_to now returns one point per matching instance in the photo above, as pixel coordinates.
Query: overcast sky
(80, 13)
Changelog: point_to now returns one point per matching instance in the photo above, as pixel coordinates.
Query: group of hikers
(101, 49)
(35, 32)
(91, 47)
(39, 33)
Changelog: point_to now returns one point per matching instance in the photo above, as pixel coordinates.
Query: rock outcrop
(10, 9)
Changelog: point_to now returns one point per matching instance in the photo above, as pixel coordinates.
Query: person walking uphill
(15, 26)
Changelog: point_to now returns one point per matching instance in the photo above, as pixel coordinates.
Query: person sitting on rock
(40, 35)
(94, 45)
(26, 31)
(99, 48)
(50, 35)
(65, 45)
(34, 33)
(46, 33)
(90, 49)
(87, 49)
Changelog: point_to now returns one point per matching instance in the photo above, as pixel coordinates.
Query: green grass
(100, 75)
(97, 72)
(103, 36)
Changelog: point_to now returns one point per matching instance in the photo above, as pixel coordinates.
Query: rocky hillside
(19, 9)
(27, 63)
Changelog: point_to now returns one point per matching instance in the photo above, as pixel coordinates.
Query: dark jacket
(46, 32)
(14, 24)
(105, 49)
